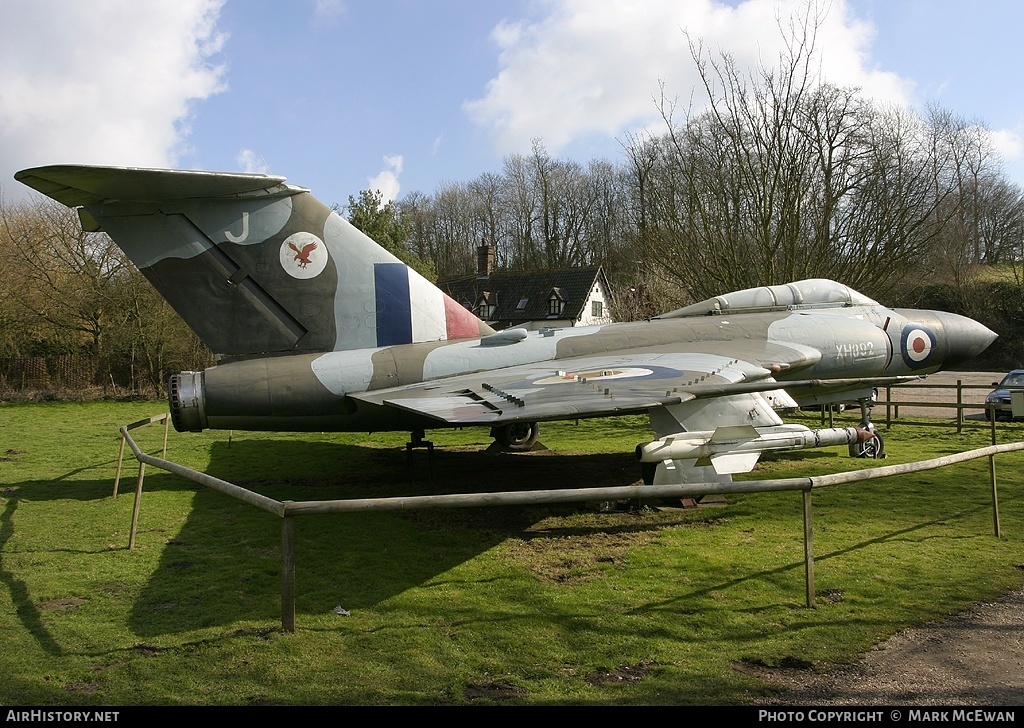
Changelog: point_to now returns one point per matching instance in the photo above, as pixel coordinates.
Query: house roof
(508, 289)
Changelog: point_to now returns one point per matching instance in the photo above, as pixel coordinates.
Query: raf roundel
(918, 343)
(303, 255)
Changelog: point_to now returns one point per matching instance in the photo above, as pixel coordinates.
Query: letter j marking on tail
(245, 230)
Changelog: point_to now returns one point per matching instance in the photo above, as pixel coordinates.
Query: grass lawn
(528, 605)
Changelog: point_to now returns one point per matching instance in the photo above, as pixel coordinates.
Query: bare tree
(67, 292)
(68, 275)
(786, 177)
(521, 202)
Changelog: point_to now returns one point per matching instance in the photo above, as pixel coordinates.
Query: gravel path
(973, 658)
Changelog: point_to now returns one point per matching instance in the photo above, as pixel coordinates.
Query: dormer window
(556, 302)
(487, 305)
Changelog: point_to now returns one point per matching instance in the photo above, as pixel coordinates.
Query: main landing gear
(416, 441)
(516, 437)
(874, 447)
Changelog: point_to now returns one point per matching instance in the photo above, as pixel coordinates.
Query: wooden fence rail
(288, 510)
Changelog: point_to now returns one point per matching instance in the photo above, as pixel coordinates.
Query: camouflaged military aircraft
(318, 328)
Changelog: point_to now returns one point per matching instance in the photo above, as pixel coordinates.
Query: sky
(404, 95)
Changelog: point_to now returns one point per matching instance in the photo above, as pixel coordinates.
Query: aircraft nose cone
(965, 337)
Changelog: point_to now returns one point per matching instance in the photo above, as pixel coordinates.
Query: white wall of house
(595, 310)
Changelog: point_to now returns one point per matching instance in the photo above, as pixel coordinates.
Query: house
(532, 299)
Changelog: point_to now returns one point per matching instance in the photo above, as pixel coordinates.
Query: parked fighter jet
(317, 328)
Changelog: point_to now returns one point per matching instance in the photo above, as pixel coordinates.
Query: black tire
(871, 449)
(516, 437)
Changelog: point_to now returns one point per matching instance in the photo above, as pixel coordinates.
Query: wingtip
(76, 185)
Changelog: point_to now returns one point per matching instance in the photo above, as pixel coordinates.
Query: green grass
(541, 605)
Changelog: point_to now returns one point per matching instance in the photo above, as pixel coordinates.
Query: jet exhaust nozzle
(186, 394)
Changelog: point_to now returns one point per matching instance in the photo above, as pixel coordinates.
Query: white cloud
(594, 66)
(252, 163)
(328, 13)
(103, 83)
(1009, 144)
(387, 181)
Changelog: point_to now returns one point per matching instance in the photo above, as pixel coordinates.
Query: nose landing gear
(874, 447)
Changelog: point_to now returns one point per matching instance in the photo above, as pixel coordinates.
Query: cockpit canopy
(810, 293)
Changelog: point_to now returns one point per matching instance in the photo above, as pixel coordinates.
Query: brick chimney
(484, 259)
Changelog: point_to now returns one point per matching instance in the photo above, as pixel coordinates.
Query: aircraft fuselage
(310, 392)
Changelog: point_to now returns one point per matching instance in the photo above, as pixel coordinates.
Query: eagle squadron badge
(303, 255)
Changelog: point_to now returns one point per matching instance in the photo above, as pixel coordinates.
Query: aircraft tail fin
(256, 266)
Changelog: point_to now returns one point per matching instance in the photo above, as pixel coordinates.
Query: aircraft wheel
(516, 437)
(647, 471)
(872, 449)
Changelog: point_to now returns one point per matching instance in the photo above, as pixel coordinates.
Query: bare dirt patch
(574, 559)
(84, 687)
(64, 603)
(493, 690)
(621, 674)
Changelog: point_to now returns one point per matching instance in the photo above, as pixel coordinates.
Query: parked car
(1001, 396)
